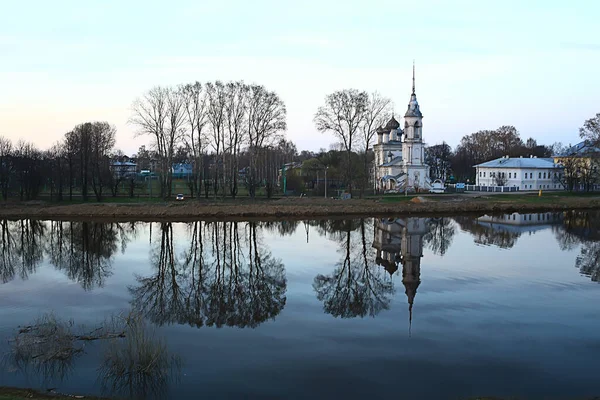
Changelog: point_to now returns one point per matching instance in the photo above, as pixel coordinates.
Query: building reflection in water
(355, 288)
(399, 242)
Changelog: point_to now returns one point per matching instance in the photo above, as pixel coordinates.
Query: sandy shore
(289, 208)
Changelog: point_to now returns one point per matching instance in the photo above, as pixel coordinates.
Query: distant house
(182, 170)
(124, 169)
(243, 173)
(291, 168)
(525, 173)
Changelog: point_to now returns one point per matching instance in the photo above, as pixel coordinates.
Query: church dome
(380, 130)
(392, 124)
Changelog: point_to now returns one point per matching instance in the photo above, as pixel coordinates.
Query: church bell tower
(413, 151)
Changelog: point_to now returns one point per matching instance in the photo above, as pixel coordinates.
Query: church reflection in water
(399, 242)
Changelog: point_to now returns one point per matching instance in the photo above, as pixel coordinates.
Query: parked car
(179, 197)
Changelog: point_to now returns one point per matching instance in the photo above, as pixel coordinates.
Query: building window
(544, 175)
(480, 174)
(539, 175)
(484, 174)
(509, 175)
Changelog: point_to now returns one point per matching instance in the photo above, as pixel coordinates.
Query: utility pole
(326, 182)
(317, 179)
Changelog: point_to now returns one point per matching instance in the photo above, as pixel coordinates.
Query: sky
(479, 64)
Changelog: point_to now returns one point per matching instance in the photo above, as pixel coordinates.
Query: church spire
(413, 105)
(410, 320)
(413, 92)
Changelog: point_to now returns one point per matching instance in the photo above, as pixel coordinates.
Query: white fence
(478, 188)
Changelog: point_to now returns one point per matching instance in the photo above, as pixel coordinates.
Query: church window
(539, 175)
(544, 175)
(509, 175)
(484, 174)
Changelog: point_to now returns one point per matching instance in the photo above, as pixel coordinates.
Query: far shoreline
(298, 208)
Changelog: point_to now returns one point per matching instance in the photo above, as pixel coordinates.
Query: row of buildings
(126, 168)
(400, 165)
(576, 168)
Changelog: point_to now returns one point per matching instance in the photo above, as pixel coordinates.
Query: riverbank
(299, 208)
(10, 393)
(7, 393)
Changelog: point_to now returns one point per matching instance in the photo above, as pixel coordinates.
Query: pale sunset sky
(480, 64)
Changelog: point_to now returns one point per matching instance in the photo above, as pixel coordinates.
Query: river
(417, 308)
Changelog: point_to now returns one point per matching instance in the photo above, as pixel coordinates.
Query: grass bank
(301, 208)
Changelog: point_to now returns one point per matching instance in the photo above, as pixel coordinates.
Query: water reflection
(355, 288)
(229, 274)
(504, 230)
(21, 248)
(400, 242)
(226, 277)
(84, 250)
(440, 233)
(135, 362)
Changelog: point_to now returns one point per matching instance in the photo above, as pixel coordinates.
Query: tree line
(232, 136)
(78, 164)
(479, 147)
(225, 120)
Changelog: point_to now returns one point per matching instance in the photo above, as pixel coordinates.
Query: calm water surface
(415, 308)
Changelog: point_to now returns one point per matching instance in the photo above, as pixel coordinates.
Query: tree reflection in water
(581, 228)
(21, 248)
(226, 277)
(356, 288)
(440, 235)
(83, 250)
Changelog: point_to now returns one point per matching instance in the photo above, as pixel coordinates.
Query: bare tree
(6, 165)
(102, 142)
(591, 130)
(568, 177)
(438, 158)
(217, 101)
(195, 138)
(28, 169)
(377, 111)
(235, 110)
(161, 114)
(343, 114)
(500, 178)
(266, 119)
(58, 161)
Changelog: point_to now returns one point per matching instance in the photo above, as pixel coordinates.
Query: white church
(400, 154)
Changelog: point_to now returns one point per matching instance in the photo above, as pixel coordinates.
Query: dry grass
(296, 208)
(140, 365)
